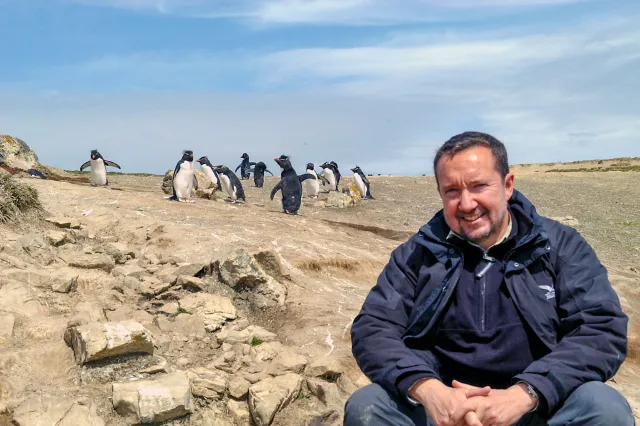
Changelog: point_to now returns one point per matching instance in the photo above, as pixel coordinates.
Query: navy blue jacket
(583, 328)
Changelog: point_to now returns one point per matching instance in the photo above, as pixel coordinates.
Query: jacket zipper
(483, 288)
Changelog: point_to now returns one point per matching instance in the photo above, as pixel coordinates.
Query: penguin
(36, 174)
(245, 166)
(98, 168)
(230, 183)
(290, 184)
(207, 169)
(329, 177)
(2, 159)
(362, 183)
(336, 172)
(184, 178)
(258, 174)
(311, 186)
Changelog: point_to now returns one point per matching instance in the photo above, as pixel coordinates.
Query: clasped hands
(466, 405)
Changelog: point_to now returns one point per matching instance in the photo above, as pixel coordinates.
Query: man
(491, 315)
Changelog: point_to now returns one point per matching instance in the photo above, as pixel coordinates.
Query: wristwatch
(532, 392)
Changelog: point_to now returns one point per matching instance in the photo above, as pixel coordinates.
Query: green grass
(16, 199)
(256, 341)
(180, 311)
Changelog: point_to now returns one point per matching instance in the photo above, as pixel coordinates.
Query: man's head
(472, 174)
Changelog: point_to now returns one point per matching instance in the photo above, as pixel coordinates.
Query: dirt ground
(333, 257)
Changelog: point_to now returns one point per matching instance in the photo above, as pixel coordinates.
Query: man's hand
(448, 406)
(500, 407)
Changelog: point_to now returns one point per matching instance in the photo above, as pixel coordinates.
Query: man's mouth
(472, 218)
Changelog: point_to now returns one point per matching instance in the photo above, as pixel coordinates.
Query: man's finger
(473, 392)
(471, 419)
(459, 385)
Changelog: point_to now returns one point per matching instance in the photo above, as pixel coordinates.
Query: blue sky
(378, 83)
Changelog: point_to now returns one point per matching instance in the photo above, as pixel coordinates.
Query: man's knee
(362, 406)
(596, 403)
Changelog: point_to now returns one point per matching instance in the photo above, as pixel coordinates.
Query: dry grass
(318, 265)
(16, 199)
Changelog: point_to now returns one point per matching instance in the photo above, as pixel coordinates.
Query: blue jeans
(592, 404)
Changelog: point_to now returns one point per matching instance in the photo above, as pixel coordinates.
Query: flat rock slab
(164, 398)
(53, 411)
(268, 397)
(129, 271)
(64, 222)
(231, 336)
(56, 238)
(215, 309)
(96, 341)
(92, 261)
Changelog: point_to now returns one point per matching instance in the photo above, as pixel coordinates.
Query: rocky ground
(126, 308)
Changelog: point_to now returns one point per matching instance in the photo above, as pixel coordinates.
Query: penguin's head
(245, 156)
(204, 161)
(95, 154)
(311, 166)
(356, 169)
(325, 165)
(284, 162)
(334, 164)
(261, 166)
(220, 169)
(187, 155)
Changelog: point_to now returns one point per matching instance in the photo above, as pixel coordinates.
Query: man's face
(474, 195)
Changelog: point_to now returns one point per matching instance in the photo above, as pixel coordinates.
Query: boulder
(192, 283)
(283, 359)
(64, 222)
(268, 397)
(167, 182)
(239, 412)
(56, 238)
(91, 261)
(271, 263)
(238, 388)
(326, 392)
(96, 341)
(208, 384)
(192, 269)
(118, 251)
(17, 153)
(326, 367)
(341, 200)
(151, 286)
(129, 271)
(215, 309)
(163, 398)
(54, 411)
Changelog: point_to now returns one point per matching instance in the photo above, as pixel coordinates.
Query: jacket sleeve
(377, 331)
(592, 332)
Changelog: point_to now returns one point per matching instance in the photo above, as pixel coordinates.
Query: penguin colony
(291, 184)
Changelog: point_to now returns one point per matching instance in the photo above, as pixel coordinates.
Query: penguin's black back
(237, 184)
(291, 191)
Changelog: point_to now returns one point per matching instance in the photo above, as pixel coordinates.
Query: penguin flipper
(112, 164)
(305, 176)
(267, 170)
(195, 182)
(324, 179)
(275, 189)
(85, 165)
(236, 170)
(251, 163)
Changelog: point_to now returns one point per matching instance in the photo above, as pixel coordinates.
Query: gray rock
(192, 269)
(239, 388)
(193, 283)
(326, 392)
(65, 285)
(164, 398)
(54, 411)
(340, 200)
(241, 269)
(17, 153)
(215, 309)
(270, 396)
(91, 261)
(96, 341)
(64, 222)
(326, 367)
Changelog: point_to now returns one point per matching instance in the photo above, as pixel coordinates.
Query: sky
(375, 83)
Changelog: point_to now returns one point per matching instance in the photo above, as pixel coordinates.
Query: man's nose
(467, 203)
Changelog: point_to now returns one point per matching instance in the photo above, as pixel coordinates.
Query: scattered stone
(56, 238)
(53, 411)
(215, 309)
(329, 418)
(254, 378)
(192, 269)
(270, 396)
(567, 220)
(164, 398)
(226, 347)
(346, 385)
(96, 341)
(238, 388)
(283, 359)
(151, 287)
(231, 336)
(327, 393)
(271, 294)
(32, 242)
(193, 283)
(207, 383)
(340, 200)
(65, 285)
(129, 271)
(327, 368)
(170, 279)
(92, 261)
(239, 412)
(241, 269)
(207, 194)
(185, 324)
(64, 222)
(169, 308)
(161, 367)
(7, 321)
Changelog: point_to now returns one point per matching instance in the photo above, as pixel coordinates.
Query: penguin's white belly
(226, 186)
(360, 185)
(183, 181)
(209, 173)
(311, 186)
(328, 174)
(98, 172)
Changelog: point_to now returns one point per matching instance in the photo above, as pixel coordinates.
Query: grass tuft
(180, 311)
(256, 341)
(16, 199)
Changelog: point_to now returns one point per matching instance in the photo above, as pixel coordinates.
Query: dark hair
(467, 140)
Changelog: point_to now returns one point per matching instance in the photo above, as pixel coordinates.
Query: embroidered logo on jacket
(551, 293)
